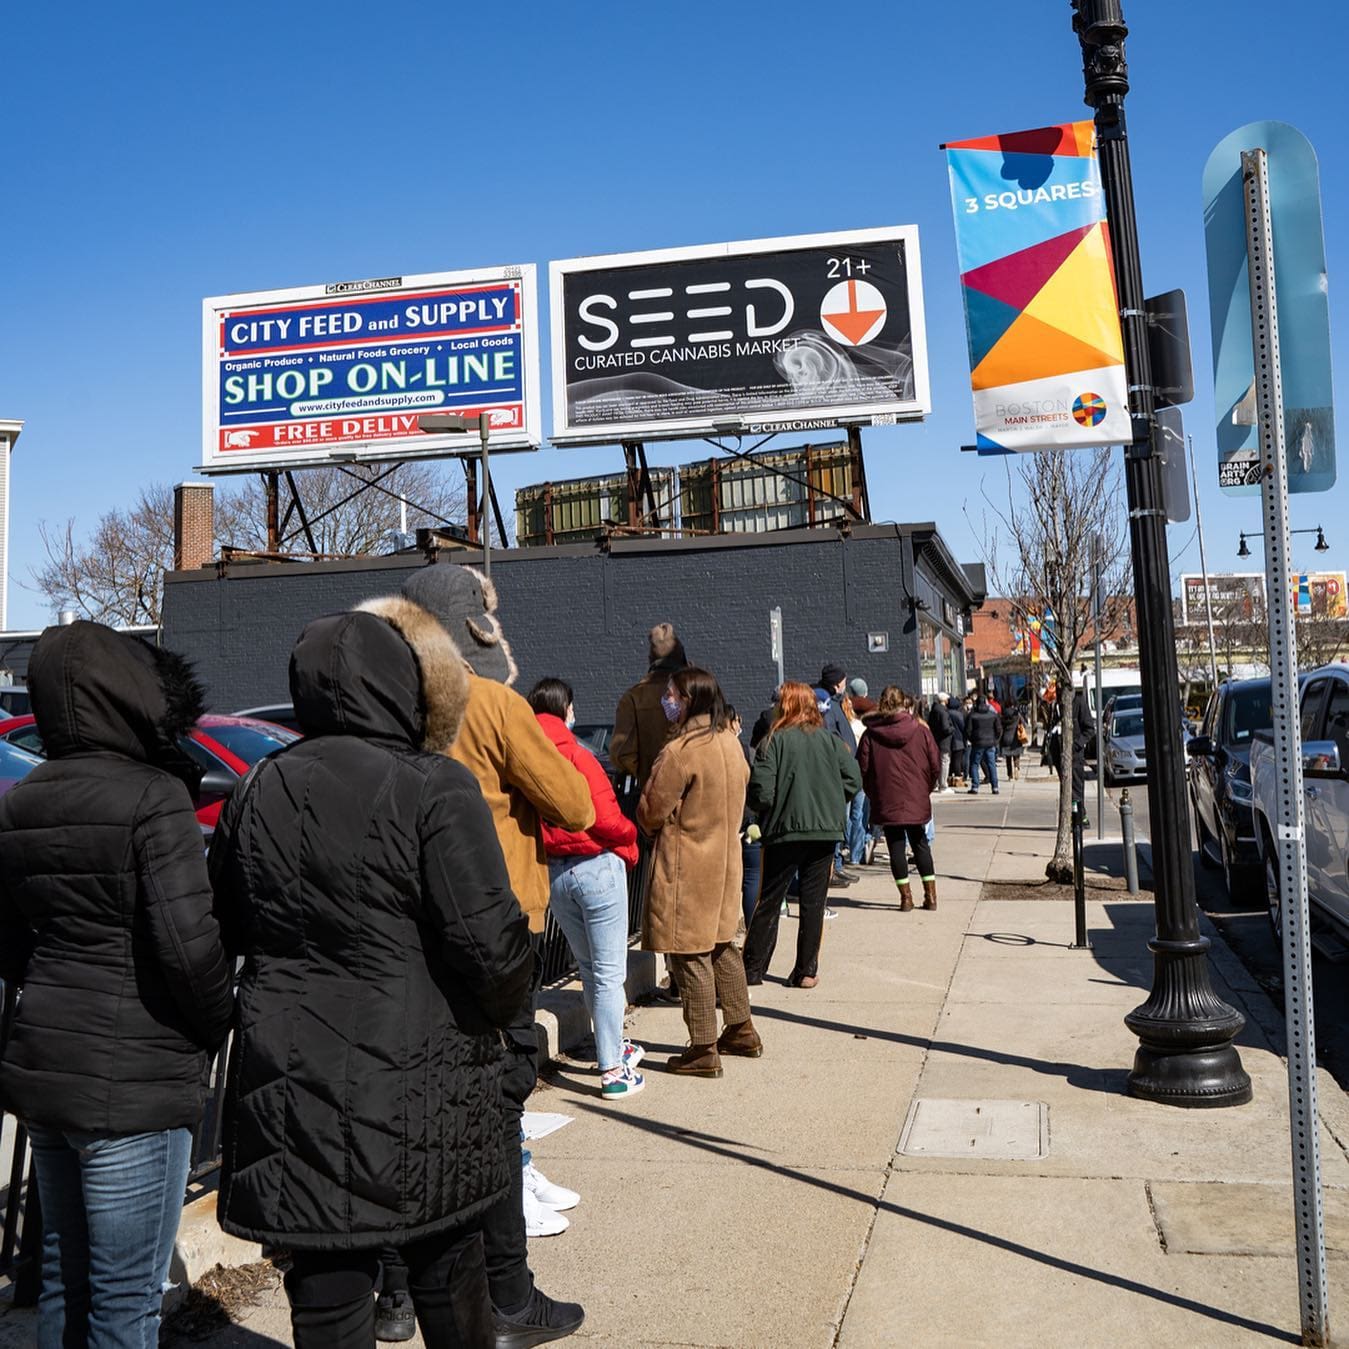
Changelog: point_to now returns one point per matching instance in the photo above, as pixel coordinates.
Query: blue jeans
(856, 829)
(110, 1210)
(751, 854)
(987, 759)
(590, 901)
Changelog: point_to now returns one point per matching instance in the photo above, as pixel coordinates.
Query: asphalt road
(1245, 927)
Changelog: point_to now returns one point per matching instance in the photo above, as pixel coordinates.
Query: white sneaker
(830, 913)
(541, 1221)
(551, 1196)
(633, 1054)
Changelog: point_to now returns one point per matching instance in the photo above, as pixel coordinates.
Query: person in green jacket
(802, 780)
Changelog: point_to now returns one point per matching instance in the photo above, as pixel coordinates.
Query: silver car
(1125, 756)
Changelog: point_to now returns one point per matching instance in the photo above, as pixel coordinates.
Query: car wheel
(1242, 886)
(1273, 896)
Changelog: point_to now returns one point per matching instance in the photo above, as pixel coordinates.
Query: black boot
(537, 1322)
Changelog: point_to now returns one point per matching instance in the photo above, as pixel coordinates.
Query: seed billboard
(686, 341)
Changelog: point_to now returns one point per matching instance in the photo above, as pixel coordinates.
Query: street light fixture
(437, 423)
(1320, 546)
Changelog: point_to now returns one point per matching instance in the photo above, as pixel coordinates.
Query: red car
(224, 748)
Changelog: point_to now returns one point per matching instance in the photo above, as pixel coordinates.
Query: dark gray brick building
(889, 602)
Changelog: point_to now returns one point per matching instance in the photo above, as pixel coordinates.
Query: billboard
(1240, 596)
(1041, 317)
(686, 341)
(297, 378)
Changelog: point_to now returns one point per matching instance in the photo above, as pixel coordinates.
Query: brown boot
(930, 894)
(741, 1041)
(696, 1061)
(905, 897)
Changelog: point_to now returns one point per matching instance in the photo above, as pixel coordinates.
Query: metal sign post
(1100, 707)
(1297, 970)
(775, 637)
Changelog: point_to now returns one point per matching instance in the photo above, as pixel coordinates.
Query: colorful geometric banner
(1046, 355)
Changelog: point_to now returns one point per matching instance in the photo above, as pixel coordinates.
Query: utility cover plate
(1004, 1131)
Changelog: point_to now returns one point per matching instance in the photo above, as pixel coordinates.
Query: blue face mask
(672, 707)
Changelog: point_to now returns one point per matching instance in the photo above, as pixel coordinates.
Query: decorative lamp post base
(1185, 1055)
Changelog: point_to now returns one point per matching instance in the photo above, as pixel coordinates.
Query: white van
(1114, 683)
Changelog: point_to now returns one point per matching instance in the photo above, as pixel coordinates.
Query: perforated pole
(1290, 825)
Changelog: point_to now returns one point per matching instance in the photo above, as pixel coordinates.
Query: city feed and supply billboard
(690, 340)
(297, 378)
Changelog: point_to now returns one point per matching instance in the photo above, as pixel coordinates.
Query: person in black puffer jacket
(125, 991)
(359, 874)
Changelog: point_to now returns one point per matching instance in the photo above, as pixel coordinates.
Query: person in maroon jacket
(589, 896)
(900, 767)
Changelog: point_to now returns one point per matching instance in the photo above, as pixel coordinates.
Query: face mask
(672, 707)
(571, 720)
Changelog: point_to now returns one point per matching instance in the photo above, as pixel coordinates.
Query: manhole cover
(1011, 1131)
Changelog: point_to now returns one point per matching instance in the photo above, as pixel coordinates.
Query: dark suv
(1220, 783)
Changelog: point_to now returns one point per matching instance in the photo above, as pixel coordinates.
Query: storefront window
(930, 639)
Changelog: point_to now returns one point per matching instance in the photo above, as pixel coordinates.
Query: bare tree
(115, 575)
(1038, 552)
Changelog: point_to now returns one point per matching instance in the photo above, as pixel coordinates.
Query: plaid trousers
(703, 978)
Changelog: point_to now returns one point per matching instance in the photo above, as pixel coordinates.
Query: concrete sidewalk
(775, 1207)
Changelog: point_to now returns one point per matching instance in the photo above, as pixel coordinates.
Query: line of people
(375, 887)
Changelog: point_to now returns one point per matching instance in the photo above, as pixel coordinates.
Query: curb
(561, 1022)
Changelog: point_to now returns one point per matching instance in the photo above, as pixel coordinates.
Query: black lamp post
(1320, 546)
(1185, 1053)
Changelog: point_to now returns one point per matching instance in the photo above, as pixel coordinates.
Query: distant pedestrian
(124, 987)
(751, 836)
(983, 732)
(900, 767)
(956, 711)
(830, 693)
(943, 732)
(1012, 741)
(359, 875)
(802, 782)
(589, 895)
(1084, 731)
(640, 728)
(692, 805)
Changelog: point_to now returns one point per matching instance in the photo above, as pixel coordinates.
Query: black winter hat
(465, 602)
(832, 676)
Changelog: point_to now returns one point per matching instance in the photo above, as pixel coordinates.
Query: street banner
(1041, 315)
(821, 328)
(1304, 311)
(300, 377)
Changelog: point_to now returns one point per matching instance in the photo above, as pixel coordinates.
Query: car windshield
(1248, 711)
(250, 743)
(594, 737)
(15, 763)
(1125, 727)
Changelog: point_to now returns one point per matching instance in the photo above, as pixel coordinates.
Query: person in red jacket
(589, 896)
(900, 767)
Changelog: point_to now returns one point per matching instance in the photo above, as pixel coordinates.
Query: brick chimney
(193, 525)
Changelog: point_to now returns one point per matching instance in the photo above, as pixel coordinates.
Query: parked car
(15, 765)
(224, 748)
(279, 714)
(1324, 706)
(14, 700)
(1125, 756)
(1220, 783)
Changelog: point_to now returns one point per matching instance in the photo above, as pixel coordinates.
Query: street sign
(1171, 451)
(1169, 349)
(1304, 316)
(775, 641)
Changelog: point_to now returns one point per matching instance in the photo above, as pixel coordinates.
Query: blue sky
(157, 153)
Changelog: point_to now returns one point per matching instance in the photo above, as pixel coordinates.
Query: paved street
(824, 1195)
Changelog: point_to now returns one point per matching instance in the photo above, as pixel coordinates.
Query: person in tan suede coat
(692, 804)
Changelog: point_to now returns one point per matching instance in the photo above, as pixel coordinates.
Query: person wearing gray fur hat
(641, 729)
(465, 602)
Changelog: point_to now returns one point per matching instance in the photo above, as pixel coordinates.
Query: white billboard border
(448, 446)
(695, 427)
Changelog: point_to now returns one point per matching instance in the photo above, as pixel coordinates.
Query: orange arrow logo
(853, 324)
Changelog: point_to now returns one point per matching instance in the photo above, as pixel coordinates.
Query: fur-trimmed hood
(97, 689)
(387, 670)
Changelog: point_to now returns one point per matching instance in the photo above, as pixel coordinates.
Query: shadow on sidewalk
(726, 1147)
(1109, 1080)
